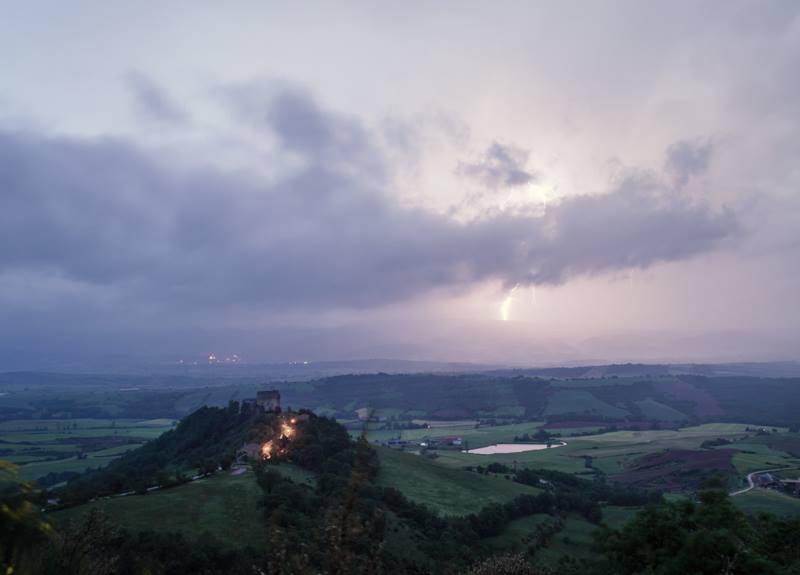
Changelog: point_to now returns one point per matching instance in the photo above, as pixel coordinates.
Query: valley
(533, 465)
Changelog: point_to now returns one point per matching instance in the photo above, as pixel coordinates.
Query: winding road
(752, 474)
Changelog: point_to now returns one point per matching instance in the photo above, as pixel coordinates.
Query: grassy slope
(580, 401)
(515, 537)
(653, 409)
(761, 458)
(225, 506)
(558, 458)
(767, 501)
(574, 540)
(445, 490)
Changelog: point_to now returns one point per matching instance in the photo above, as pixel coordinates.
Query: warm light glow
(505, 307)
(287, 431)
(266, 450)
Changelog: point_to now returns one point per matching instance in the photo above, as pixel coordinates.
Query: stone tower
(269, 400)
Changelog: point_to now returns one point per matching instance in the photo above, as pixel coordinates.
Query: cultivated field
(619, 454)
(444, 489)
(41, 447)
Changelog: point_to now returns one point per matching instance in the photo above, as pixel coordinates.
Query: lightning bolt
(505, 307)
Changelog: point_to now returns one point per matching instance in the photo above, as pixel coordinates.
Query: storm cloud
(104, 213)
(500, 167)
(687, 158)
(152, 102)
(329, 181)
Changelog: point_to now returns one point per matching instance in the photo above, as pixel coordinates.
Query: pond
(513, 448)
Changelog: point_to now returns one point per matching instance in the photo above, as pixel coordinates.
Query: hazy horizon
(546, 183)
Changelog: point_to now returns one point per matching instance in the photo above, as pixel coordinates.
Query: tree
(506, 565)
(707, 538)
(89, 546)
(21, 527)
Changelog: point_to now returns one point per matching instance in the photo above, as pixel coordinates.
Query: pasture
(614, 453)
(224, 506)
(446, 490)
(44, 446)
(474, 436)
(767, 501)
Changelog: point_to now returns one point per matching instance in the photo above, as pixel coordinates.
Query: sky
(525, 183)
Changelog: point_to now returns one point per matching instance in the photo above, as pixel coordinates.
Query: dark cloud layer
(500, 167)
(687, 158)
(103, 213)
(152, 102)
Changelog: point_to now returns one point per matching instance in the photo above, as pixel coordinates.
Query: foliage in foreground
(709, 536)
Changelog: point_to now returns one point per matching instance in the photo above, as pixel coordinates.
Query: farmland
(767, 501)
(598, 398)
(58, 446)
(674, 458)
(446, 490)
(651, 415)
(613, 442)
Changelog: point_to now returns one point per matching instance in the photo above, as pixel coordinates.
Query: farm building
(443, 442)
(765, 479)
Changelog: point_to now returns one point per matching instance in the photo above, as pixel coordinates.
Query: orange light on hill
(266, 450)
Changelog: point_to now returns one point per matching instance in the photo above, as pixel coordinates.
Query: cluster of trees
(540, 436)
(588, 493)
(719, 441)
(704, 537)
(494, 467)
(348, 523)
(204, 441)
(349, 518)
(355, 531)
(400, 425)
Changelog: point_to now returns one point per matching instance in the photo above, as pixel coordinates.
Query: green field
(761, 459)
(42, 446)
(516, 536)
(474, 436)
(444, 489)
(576, 532)
(224, 505)
(574, 540)
(612, 452)
(767, 501)
(557, 458)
